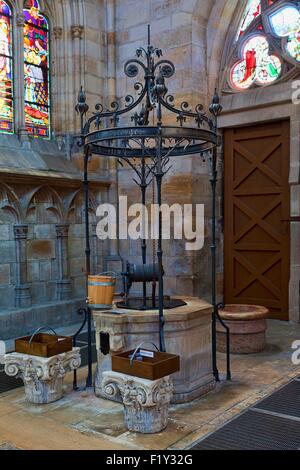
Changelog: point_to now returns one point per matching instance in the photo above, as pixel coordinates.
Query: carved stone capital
(57, 32)
(20, 232)
(146, 402)
(62, 230)
(42, 377)
(77, 31)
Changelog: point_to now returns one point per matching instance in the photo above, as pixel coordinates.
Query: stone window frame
(290, 67)
(18, 71)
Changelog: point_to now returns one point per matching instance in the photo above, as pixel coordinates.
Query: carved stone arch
(10, 207)
(77, 207)
(70, 206)
(202, 9)
(222, 26)
(45, 206)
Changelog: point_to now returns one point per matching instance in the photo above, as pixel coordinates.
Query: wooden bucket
(101, 289)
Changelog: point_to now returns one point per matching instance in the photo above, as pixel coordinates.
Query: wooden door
(257, 209)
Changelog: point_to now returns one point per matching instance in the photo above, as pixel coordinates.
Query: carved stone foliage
(146, 402)
(43, 377)
(77, 31)
(57, 32)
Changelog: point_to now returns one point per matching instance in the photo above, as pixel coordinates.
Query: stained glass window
(252, 11)
(256, 66)
(36, 70)
(267, 44)
(286, 24)
(6, 70)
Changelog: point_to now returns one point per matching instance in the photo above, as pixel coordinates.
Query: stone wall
(42, 243)
(42, 246)
(179, 28)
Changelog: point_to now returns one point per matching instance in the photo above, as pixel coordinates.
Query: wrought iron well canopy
(106, 133)
(146, 132)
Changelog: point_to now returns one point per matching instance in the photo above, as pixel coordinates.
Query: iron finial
(82, 106)
(215, 107)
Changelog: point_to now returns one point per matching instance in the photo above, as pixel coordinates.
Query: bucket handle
(134, 354)
(40, 329)
(110, 273)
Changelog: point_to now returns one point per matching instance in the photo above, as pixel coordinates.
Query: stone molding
(42, 377)
(146, 402)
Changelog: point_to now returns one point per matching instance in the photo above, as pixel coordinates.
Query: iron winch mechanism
(144, 273)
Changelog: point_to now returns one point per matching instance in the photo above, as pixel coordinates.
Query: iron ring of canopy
(135, 142)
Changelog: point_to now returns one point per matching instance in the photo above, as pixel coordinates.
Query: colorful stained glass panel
(36, 71)
(286, 23)
(257, 65)
(293, 45)
(252, 11)
(6, 70)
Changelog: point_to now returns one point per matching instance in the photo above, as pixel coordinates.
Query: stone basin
(247, 325)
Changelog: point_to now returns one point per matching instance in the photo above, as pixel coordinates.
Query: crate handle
(40, 329)
(144, 342)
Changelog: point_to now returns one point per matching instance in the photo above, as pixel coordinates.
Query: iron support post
(213, 182)
(89, 380)
(159, 176)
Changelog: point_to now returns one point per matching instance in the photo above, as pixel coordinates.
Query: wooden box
(161, 365)
(44, 345)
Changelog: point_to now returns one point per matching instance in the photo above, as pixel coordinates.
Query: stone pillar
(77, 34)
(63, 282)
(58, 85)
(146, 402)
(42, 376)
(19, 82)
(22, 289)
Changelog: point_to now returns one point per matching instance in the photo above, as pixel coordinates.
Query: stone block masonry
(42, 262)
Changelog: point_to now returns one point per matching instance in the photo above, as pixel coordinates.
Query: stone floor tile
(46, 434)
(106, 423)
(175, 431)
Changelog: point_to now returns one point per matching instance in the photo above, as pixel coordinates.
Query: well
(187, 333)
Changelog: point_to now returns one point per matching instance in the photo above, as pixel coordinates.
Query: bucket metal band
(101, 306)
(103, 284)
